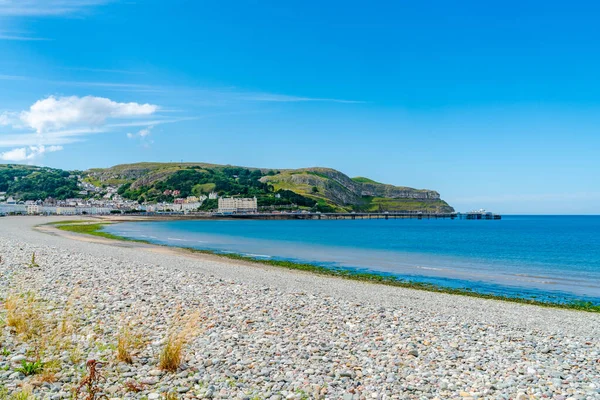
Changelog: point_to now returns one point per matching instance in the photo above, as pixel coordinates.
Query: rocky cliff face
(395, 192)
(339, 180)
(342, 190)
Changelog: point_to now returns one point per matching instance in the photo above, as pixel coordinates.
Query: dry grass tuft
(24, 315)
(181, 333)
(47, 331)
(171, 355)
(49, 371)
(127, 344)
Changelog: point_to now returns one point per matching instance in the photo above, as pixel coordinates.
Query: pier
(359, 215)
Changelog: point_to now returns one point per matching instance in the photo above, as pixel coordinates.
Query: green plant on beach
(33, 263)
(28, 368)
(24, 394)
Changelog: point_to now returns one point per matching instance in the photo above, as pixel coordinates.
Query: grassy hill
(320, 188)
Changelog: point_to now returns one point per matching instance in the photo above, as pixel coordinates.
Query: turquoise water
(544, 257)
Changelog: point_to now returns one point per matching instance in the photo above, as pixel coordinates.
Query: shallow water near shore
(553, 258)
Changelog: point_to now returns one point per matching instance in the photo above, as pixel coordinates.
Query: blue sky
(495, 106)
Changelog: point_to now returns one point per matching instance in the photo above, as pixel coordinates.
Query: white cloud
(54, 113)
(28, 153)
(14, 155)
(7, 118)
(143, 136)
(55, 121)
(20, 8)
(145, 132)
(142, 133)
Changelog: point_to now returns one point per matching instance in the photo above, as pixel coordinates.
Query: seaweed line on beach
(95, 229)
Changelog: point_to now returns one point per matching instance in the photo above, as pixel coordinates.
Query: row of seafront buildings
(72, 206)
(116, 204)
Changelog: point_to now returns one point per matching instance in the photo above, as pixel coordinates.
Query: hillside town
(106, 200)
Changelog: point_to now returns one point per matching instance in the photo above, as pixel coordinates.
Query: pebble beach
(261, 332)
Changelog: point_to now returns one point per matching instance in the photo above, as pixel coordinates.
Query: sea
(547, 258)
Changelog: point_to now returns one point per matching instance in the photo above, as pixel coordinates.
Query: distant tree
(315, 189)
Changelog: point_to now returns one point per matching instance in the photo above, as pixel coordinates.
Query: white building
(33, 209)
(230, 205)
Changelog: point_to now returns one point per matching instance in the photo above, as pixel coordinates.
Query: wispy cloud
(119, 85)
(150, 122)
(108, 71)
(282, 98)
(20, 38)
(51, 138)
(12, 77)
(208, 96)
(36, 8)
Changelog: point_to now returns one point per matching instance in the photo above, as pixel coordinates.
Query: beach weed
(127, 343)
(91, 382)
(133, 386)
(25, 394)
(29, 368)
(303, 395)
(183, 330)
(68, 322)
(75, 354)
(49, 371)
(33, 263)
(24, 315)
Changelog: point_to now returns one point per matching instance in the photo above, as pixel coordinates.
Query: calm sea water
(545, 257)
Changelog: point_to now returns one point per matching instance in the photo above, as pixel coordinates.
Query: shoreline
(265, 332)
(375, 278)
